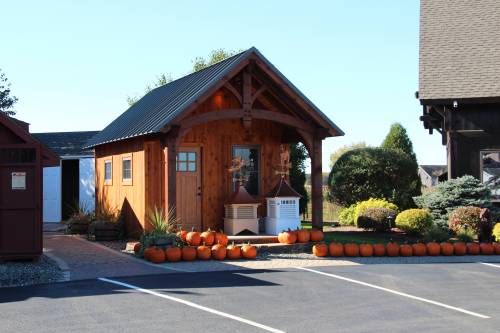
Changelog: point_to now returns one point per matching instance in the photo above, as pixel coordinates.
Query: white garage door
(52, 194)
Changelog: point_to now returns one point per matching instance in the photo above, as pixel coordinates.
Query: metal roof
(157, 108)
(67, 143)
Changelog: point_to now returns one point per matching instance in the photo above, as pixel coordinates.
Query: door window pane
(186, 161)
(490, 173)
(250, 170)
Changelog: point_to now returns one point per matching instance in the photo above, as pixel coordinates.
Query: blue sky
(72, 64)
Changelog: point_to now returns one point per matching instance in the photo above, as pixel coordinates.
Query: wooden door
(19, 210)
(189, 187)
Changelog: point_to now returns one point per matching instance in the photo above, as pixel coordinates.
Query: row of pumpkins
(203, 246)
(392, 249)
(300, 236)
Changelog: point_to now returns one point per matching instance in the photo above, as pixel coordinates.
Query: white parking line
(396, 293)
(488, 264)
(194, 305)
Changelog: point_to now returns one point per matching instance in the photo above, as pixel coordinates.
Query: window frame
(110, 180)
(481, 152)
(187, 161)
(259, 167)
(127, 181)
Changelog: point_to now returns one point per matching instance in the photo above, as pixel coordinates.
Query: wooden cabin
(173, 148)
(459, 84)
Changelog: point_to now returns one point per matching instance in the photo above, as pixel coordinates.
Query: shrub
(446, 196)
(373, 203)
(496, 232)
(465, 218)
(415, 221)
(466, 235)
(436, 234)
(377, 218)
(347, 215)
(374, 172)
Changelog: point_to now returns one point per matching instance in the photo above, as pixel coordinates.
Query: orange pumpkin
(320, 250)
(233, 252)
(406, 250)
(336, 249)
(221, 238)
(366, 250)
(351, 250)
(287, 237)
(193, 238)
(316, 235)
(392, 249)
(173, 253)
(473, 249)
(147, 252)
(379, 250)
(487, 249)
(459, 249)
(188, 253)
(137, 247)
(419, 249)
(497, 248)
(447, 249)
(248, 251)
(157, 256)
(182, 234)
(303, 236)
(433, 249)
(203, 252)
(208, 237)
(219, 252)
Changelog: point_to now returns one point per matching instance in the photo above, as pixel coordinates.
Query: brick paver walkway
(87, 260)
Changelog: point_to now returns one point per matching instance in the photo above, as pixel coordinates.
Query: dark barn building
(459, 84)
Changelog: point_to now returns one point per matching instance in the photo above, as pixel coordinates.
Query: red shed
(22, 158)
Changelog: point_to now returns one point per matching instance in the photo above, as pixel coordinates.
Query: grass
(360, 237)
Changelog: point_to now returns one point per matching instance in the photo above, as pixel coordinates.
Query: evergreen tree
(298, 155)
(397, 138)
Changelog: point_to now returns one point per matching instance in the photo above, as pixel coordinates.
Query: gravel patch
(24, 273)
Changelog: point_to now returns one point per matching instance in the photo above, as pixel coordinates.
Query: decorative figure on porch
(237, 169)
(284, 168)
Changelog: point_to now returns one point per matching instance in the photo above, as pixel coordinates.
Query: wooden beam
(170, 153)
(317, 184)
(240, 113)
(258, 92)
(235, 92)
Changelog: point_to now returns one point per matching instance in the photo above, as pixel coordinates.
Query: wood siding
(129, 197)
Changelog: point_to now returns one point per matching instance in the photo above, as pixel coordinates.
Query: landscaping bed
(23, 273)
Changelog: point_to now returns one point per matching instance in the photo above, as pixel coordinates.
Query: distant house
(459, 84)
(431, 175)
(173, 147)
(72, 182)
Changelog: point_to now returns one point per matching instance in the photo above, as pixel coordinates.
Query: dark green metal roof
(160, 106)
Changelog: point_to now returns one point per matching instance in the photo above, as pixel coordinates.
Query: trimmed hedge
(377, 218)
(496, 232)
(414, 221)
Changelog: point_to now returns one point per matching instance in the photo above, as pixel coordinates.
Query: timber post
(171, 144)
(317, 184)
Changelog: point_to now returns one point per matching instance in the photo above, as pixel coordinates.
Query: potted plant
(108, 225)
(80, 220)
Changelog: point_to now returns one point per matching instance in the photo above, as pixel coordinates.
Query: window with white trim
(490, 172)
(127, 169)
(108, 171)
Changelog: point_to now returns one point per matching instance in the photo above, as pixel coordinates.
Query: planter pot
(78, 227)
(106, 231)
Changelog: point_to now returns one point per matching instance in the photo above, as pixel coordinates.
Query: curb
(63, 266)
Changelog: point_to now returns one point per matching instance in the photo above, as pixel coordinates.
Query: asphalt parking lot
(364, 298)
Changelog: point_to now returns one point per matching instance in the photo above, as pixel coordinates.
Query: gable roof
(459, 49)
(162, 105)
(19, 128)
(67, 143)
(434, 170)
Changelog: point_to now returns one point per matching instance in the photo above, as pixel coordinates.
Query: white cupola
(282, 208)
